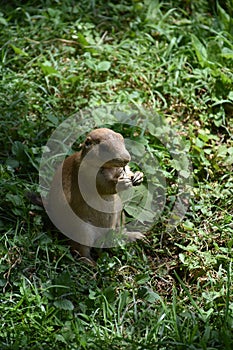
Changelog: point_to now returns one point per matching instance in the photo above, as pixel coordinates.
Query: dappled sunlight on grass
(173, 291)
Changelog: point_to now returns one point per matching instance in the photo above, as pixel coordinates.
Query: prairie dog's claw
(133, 236)
(137, 178)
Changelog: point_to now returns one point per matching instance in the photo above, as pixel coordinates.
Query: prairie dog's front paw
(128, 179)
(123, 184)
(137, 178)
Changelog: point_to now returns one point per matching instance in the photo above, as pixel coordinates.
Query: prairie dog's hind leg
(84, 252)
(133, 236)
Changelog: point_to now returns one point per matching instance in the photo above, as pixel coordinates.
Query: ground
(174, 59)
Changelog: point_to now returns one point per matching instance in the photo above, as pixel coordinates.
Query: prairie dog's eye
(88, 142)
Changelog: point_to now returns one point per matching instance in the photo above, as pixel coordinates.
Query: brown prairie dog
(83, 200)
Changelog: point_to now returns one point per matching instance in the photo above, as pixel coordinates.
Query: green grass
(173, 291)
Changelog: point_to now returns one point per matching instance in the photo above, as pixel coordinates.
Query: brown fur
(103, 153)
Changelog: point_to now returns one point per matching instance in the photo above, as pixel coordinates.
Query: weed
(175, 58)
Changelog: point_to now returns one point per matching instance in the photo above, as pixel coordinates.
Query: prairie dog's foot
(83, 251)
(133, 236)
(137, 178)
(87, 260)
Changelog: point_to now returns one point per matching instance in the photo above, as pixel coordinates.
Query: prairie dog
(83, 199)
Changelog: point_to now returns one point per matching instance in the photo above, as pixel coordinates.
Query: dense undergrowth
(173, 291)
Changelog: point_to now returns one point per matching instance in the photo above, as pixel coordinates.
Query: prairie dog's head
(105, 144)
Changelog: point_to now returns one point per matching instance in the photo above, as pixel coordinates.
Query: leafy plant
(173, 291)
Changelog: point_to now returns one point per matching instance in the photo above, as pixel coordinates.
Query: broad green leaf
(200, 50)
(19, 51)
(138, 149)
(229, 160)
(47, 68)
(230, 95)
(225, 19)
(85, 44)
(152, 297)
(13, 163)
(82, 40)
(123, 300)
(141, 278)
(19, 151)
(227, 53)
(91, 64)
(103, 66)
(2, 20)
(64, 304)
(222, 151)
(182, 257)
(14, 199)
(185, 174)
(109, 293)
(53, 120)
